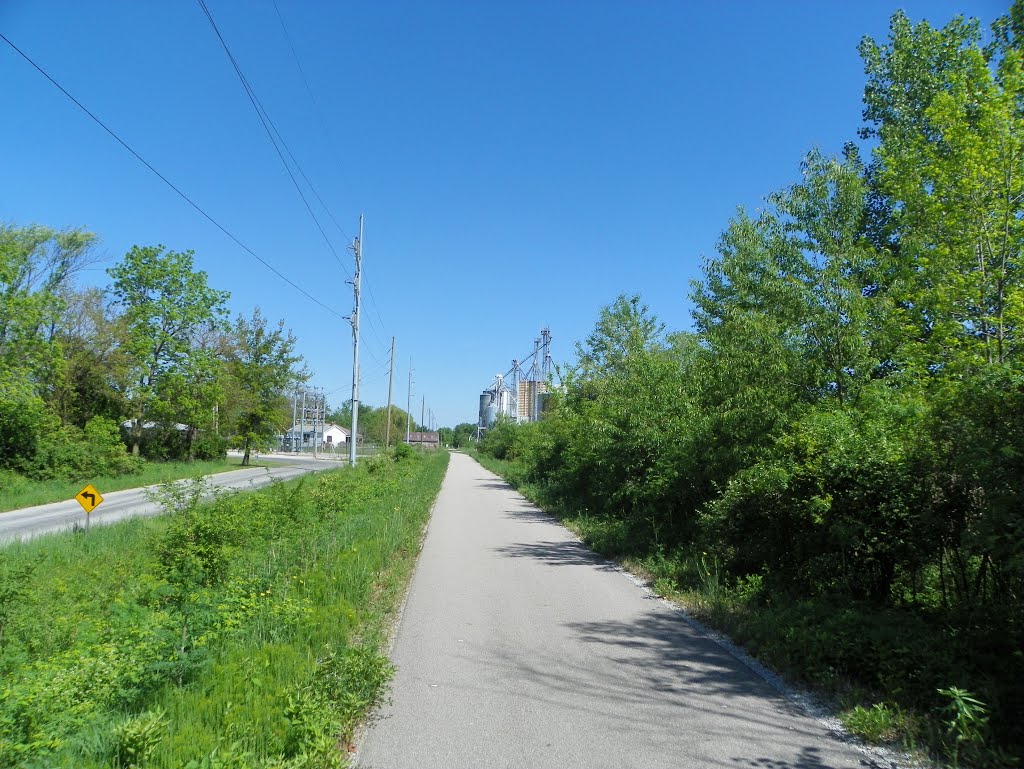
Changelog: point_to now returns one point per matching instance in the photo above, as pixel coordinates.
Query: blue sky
(519, 164)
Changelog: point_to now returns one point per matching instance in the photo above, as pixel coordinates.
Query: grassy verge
(22, 492)
(895, 676)
(245, 632)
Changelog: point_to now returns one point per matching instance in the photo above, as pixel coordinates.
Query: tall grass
(244, 633)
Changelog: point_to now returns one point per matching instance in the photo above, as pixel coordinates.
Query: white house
(309, 436)
(335, 434)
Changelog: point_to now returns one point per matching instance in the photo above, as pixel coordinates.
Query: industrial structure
(309, 414)
(519, 394)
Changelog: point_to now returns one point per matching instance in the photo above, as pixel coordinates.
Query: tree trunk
(136, 435)
(245, 455)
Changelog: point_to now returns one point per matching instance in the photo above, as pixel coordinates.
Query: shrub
(209, 446)
(22, 423)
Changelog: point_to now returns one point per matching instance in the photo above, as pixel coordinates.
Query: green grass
(245, 633)
(19, 492)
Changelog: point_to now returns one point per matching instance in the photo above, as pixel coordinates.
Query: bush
(163, 444)
(22, 425)
(107, 451)
(209, 446)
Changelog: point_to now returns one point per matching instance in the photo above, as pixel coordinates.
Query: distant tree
(458, 436)
(373, 421)
(93, 378)
(263, 366)
(165, 304)
(196, 392)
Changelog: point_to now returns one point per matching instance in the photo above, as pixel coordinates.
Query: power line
(316, 106)
(376, 327)
(165, 180)
(271, 129)
(327, 135)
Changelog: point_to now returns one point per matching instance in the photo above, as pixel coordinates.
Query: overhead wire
(327, 135)
(376, 327)
(316, 106)
(271, 129)
(167, 181)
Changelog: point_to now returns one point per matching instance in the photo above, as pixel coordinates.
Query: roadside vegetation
(244, 632)
(96, 383)
(830, 465)
(19, 491)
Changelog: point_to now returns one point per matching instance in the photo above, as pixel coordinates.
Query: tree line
(843, 427)
(155, 351)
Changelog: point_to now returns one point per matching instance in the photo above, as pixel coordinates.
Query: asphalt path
(118, 505)
(517, 647)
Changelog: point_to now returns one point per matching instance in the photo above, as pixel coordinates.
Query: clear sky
(519, 164)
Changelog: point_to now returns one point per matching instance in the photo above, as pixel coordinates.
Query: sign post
(89, 499)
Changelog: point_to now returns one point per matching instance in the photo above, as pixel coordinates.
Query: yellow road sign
(89, 498)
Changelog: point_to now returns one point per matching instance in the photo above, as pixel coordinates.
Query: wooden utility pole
(391, 379)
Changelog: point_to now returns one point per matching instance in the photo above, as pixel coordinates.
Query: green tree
(94, 374)
(195, 392)
(165, 303)
(951, 138)
(36, 264)
(263, 366)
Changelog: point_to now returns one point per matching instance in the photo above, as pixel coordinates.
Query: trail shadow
(668, 653)
(499, 485)
(807, 758)
(528, 512)
(555, 553)
(657, 681)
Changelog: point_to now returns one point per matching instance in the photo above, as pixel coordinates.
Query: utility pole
(423, 411)
(302, 430)
(391, 379)
(408, 406)
(295, 399)
(357, 249)
(316, 413)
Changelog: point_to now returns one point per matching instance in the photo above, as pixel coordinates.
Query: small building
(335, 435)
(425, 440)
(309, 436)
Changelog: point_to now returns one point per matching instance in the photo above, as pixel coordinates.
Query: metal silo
(488, 408)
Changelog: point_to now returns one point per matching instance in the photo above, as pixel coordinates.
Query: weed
(178, 497)
(137, 737)
(965, 719)
(879, 723)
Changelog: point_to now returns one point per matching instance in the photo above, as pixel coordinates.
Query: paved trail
(519, 648)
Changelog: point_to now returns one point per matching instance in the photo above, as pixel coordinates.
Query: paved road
(117, 505)
(519, 648)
